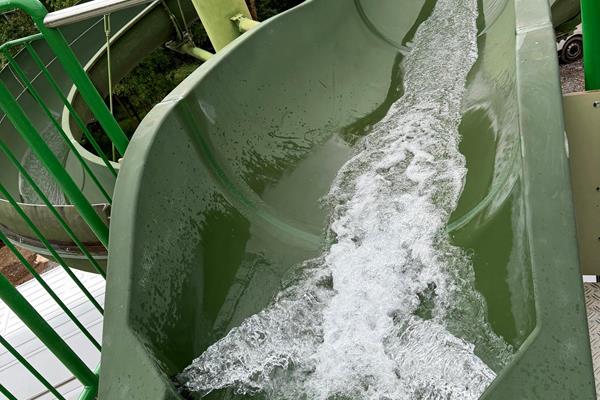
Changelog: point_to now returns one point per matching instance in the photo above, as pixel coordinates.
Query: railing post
(590, 18)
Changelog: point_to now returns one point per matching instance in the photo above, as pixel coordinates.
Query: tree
(252, 7)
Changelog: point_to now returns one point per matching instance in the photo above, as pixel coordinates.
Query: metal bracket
(244, 24)
(185, 47)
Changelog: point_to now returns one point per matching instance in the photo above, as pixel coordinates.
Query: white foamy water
(389, 310)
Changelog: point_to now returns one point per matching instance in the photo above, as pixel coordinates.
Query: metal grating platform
(592, 304)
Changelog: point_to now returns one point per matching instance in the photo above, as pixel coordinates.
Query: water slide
(221, 192)
(135, 33)
(87, 39)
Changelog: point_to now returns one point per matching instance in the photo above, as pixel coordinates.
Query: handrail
(32, 134)
(57, 43)
(87, 10)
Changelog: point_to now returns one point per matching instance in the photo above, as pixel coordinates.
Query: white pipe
(87, 10)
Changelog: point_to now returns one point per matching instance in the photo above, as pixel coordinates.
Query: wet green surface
(219, 197)
(293, 185)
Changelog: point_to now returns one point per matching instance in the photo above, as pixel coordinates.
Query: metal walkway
(592, 304)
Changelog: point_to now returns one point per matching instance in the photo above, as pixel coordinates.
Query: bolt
(597, 104)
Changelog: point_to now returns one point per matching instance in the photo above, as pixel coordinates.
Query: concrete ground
(14, 270)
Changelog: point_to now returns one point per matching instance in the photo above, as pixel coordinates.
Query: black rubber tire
(572, 50)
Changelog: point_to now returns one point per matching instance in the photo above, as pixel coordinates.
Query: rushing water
(389, 310)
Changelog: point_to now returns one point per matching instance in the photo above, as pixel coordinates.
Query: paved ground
(571, 77)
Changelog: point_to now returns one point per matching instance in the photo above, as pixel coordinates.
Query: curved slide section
(138, 32)
(221, 195)
(566, 15)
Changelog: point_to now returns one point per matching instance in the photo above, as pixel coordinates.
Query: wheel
(572, 49)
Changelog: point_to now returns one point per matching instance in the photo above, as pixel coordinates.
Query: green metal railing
(31, 135)
(21, 122)
(224, 20)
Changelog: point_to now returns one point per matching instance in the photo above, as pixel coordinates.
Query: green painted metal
(590, 15)
(34, 93)
(50, 248)
(21, 41)
(57, 43)
(30, 368)
(64, 54)
(21, 76)
(7, 393)
(216, 17)
(52, 209)
(89, 393)
(34, 321)
(202, 240)
(196, 52)
(48, 290)
(26, 126)
(131, 27)
(22, 123)
(244, 24)
(69, 106)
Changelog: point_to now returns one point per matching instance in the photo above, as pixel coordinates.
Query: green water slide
(87, 40)
(135, 33)
(219, 193)
(566, 15)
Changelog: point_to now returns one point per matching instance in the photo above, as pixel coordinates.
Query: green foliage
(269, 8)
(159, 73)
(53, 5)
(162, 70)
(16, 24)
(153, 79)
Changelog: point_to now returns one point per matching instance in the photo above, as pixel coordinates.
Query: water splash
(389, 311)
